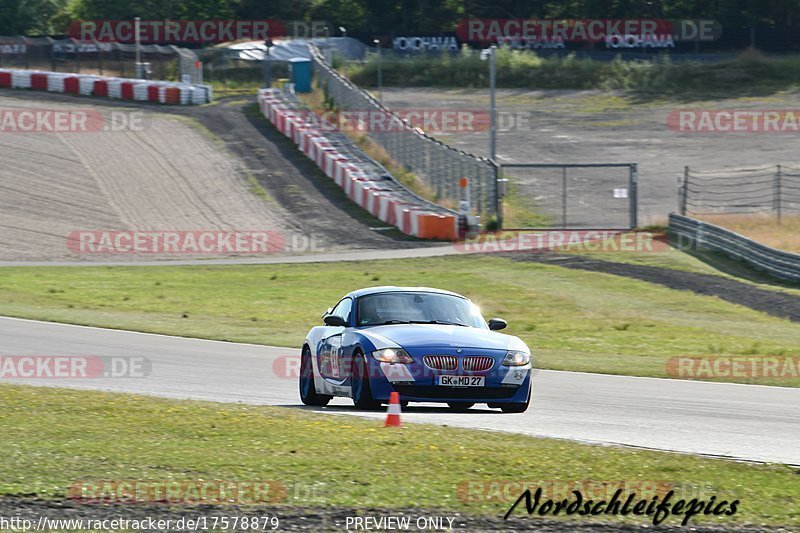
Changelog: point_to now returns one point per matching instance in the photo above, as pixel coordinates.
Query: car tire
(517, 407)
(460, 406)
(361, 388)
(308, 392)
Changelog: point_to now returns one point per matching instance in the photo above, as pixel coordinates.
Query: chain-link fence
(437, 165)
(101, 58)
(764, 190)
(577, 196)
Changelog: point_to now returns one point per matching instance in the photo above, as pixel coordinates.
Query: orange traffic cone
(393, 413)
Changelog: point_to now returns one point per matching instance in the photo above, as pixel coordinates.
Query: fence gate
(577, 196)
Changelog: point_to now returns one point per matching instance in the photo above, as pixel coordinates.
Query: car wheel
(460, 406)
(517, 407)
(308, 392)
(362, 391)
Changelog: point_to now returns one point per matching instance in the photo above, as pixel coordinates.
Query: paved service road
(329, 257)
(740, 421)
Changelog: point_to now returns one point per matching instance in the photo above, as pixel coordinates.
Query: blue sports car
(427, 344)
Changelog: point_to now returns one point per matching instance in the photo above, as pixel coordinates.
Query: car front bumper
(416, 382)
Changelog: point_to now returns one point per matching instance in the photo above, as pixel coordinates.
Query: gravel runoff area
(170, 175)
(292, 518)
(175, 176)
(608, 127)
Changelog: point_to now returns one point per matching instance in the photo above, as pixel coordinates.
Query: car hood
(411, 336)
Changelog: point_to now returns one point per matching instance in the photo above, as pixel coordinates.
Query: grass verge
(766, 229)
(750, 73)
(571, 319)
(55, 438)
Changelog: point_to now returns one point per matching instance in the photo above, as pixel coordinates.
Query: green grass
(664, 255)
(54, 438)
(750, 73)
(571, 319)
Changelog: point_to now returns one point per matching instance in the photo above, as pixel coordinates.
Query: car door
(331, 353)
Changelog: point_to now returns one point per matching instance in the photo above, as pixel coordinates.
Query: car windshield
(417, 308)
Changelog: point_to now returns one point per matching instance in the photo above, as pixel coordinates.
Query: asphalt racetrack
(747, 422)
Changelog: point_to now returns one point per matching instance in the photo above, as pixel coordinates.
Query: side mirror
(497, 323)
(327, 312)
(335, 321)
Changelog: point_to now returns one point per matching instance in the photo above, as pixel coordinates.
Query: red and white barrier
(385, 199)
(20, 79)
(55, 83)
(86, 85)
(90, 85)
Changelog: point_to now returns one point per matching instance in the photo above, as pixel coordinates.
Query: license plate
(461, 381)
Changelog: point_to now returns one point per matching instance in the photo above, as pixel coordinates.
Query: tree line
(386, 17)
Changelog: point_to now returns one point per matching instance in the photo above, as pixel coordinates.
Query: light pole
(492, 106)
(267, 65)
(138, 41)
(380, 74)
(343, 30)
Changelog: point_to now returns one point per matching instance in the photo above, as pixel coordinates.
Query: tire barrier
(364, 181)
(164, 92)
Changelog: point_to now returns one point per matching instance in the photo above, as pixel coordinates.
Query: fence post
(685, 189)
(634, 191)
(778, 202)
(563, 197)
(498, 201)
(99, 55)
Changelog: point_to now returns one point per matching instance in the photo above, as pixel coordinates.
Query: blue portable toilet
(301, 74)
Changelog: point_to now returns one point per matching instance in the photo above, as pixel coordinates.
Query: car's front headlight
(516, 358)
(392, 355)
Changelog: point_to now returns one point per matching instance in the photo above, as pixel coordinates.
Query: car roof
(391, 288)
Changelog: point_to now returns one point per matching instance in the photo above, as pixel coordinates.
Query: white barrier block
(115, 88)
(383, 209)
(86, 84)
(55, 82)
(21, 79)
(140, 91)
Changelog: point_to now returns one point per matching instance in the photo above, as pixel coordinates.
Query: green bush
(749, 73)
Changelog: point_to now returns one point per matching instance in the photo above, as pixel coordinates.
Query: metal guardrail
(704, 236)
